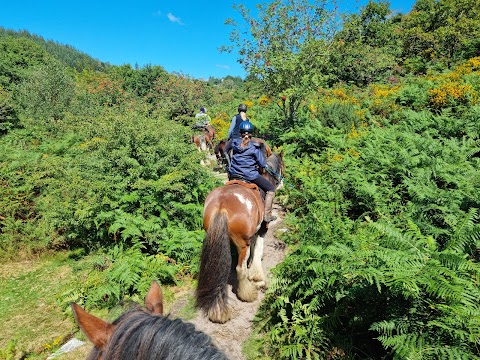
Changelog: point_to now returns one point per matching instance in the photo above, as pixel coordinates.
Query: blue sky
(181, 36)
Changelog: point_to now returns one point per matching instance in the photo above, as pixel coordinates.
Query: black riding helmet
(242, 107)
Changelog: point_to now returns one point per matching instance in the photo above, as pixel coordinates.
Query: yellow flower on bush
(337, 157)
(339, 93)
(474, 63)
(248, 103)
(470, 66)
(353, 134)
(221, 123)
(452, 93)
(263, 101)
(383, 91)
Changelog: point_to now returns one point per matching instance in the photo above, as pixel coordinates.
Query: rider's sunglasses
(244, 135)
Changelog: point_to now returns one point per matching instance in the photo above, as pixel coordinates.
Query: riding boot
(268, 207)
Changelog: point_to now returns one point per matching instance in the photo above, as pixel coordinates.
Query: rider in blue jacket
(247, 161)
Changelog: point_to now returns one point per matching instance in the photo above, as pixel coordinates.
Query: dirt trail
(229, 337)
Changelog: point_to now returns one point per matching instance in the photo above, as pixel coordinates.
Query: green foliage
(286, 46)
(18, 55)
(122, 273)
(10, 351)
(367, 47)
(139, 81)
(46, 92)
(65, 54)
(441, 31)
(8, 115)
(178, 97)
(385, 229)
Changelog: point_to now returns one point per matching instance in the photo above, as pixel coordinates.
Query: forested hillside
(65, 54)
(379, 122)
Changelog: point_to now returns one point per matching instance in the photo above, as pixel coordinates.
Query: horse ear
(97, 330)
(154, 299)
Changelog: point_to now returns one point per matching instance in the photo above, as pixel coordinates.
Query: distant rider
(202, 119)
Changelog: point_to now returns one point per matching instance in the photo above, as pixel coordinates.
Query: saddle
(243, 183)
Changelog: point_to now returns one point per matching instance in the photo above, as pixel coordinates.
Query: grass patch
(31, 323)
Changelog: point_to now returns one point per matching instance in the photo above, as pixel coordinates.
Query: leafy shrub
(385, 229)
(46, 93)
(123, 273)
(8, 116)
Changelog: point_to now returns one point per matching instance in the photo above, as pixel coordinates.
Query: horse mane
(275, 162)
(220, 145)
(140, 335)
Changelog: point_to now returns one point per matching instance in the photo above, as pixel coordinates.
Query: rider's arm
(260, 159)
(232, 126)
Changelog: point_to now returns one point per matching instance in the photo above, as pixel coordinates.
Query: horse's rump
(232, 213)
(199, 141)
(243, 206)
(210, 130)
(209, 133)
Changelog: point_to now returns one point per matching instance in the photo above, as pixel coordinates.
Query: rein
(277, 176)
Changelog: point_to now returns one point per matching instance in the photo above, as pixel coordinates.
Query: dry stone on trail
(229, 337)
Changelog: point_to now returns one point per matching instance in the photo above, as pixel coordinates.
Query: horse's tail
(215, 264)
(203, 143)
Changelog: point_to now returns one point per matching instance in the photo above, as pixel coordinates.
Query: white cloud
(174, 19)
(223, 66)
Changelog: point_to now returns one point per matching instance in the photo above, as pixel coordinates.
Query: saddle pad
(243, 183)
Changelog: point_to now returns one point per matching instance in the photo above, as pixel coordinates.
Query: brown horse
(205, 140)
(233, 213)
(199, 141)
(145, 334)
(209, 133)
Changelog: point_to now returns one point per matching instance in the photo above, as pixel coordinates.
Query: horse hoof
(261, 285)
(248, 296)
(219, 317)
